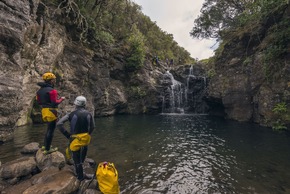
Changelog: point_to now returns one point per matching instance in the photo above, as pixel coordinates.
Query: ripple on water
(182, 154)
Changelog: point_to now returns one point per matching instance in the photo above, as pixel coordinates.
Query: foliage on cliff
(250, 22)
(254, 45)
(220, 18)
(119, 26)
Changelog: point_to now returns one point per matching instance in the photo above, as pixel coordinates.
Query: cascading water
(190, 75)
(196, 88)
(184, 97)
(174, 95)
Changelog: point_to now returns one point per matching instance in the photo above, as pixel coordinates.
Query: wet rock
(91, 162)
(61, 165)
(53, 180)
(52, 160)
(18, 168)
(16, 189)
(31, 148)
(13, 181)
(88, 186)
(5, 135)
(92, 191)
(20, 176)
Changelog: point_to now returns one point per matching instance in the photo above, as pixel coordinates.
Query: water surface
(179, 154)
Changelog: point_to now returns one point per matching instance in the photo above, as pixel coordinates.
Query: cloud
(177, 18)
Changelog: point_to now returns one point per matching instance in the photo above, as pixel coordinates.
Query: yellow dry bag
(107, 177)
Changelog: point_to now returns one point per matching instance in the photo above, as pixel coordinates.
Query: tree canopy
(218, 16)
(120, 24)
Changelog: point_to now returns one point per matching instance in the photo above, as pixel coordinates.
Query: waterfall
(195, 91)
(174, 95)
(190, 75)
(184, 97)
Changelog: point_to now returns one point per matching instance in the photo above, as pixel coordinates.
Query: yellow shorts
(49, 114)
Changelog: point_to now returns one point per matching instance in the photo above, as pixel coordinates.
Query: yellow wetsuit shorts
(49, 114)
(80, 140)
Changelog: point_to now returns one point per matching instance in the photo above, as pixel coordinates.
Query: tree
(136, 50)
(116, 25)
(216, 15)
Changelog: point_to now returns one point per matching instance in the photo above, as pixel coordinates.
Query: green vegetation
(211, 73)
(137, 92)
(260, 25)
(220, 18)
(117, 26)
(280, 110)
(136, 50)
(276, 49)
(247, 61)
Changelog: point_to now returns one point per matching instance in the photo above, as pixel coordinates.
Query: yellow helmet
(48, 76)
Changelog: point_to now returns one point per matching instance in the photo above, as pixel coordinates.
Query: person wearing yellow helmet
(48, 76)
(47, 98)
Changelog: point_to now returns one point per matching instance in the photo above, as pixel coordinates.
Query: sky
(177, 17)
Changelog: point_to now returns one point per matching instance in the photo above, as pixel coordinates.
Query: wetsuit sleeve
(53, 97)
(92, 124)
(60, 126)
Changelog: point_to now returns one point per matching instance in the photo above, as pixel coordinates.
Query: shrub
(280, 110)
(137, 92)
(136, 50)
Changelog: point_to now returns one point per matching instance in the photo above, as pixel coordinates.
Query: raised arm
(53, 97)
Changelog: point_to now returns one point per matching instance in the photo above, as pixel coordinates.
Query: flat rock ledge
(36, 173)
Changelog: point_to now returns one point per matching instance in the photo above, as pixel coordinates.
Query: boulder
(30, 148)
(53, 160)
(18, 168)
(46, 174)
(16, 189)
(89, 187)
(53, 180)
(91, 191)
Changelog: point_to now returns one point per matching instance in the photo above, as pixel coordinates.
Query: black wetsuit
(81, 121)
(47, 98)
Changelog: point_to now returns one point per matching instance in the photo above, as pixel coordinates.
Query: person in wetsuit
(47, 98)
(81, 126)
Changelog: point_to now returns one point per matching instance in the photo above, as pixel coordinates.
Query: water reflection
(182, 154)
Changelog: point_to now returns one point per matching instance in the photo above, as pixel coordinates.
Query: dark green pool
(181, 154)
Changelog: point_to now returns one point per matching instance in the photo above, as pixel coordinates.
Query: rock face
(246, 86)
(31, 44)
(15, 21)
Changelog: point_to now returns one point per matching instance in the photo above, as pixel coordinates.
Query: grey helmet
(80, 101)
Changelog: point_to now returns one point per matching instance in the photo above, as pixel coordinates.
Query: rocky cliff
(251, 70)
(245, 82)
(33, 42)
